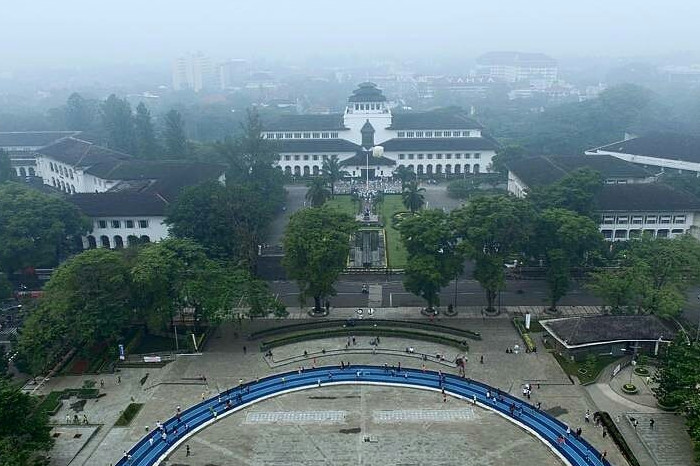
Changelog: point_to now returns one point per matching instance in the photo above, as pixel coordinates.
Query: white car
(512, 264)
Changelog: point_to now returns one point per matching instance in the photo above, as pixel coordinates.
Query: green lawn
(572, 367)
(342, 203)
(396, 253)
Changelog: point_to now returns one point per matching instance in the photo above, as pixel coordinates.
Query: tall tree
(564, 239)
(118, 123)
(404, 174)
(175, 274)
(318, 192)
(146, 142)
(7, 173)
(577, 191)
(79, 113)
(491, 228)
(412, 196)
(433, 257)
(87, 300)
(316, 247)
(5, 287)
(174, 135)
(24, 429)
(333, 172)
(36, 229)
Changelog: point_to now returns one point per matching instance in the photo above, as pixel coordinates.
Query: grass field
(396, 254)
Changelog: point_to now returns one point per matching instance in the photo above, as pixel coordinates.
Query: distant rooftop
(367, 92)
(447, 118)
(36, 139)
(438, 144)
(671, 146)
(331, 122)
(328, 146)
(547, 169)
(644, 197)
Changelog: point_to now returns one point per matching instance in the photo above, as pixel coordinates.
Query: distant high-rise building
(515, 67)
(233, 73)
(194, 71)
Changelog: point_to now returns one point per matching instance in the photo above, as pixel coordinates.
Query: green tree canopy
(87, 300)
(24, 429)
(333, 172)
(577, 192)
(176, 145)
(318, 192)
(80, 113)
(404, 174)
(146, 141)
(491, 228)
(316, 247)
(36, 228)
(118, 122)
(564, 239)
(7, 172)
(412, 196)
(433, 257)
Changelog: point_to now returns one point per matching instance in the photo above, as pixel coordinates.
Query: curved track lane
(152, 449)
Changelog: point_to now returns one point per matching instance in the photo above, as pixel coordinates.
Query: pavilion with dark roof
(613, 335)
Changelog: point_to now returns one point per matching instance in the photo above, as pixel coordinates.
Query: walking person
(187, 450)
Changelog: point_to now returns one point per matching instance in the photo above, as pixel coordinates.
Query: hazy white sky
(77, 32)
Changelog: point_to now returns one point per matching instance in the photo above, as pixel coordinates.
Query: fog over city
(85, 32)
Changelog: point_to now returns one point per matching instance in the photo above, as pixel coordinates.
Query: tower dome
(367, 92)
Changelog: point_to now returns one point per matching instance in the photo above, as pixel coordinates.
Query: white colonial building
(125, 198)
(436, 143)
(662, 152)
(21, 147)
(630, 203)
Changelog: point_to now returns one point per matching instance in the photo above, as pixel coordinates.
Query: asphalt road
(468, 293)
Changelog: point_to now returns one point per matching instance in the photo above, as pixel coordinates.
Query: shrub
(618, 438)
(129, 413)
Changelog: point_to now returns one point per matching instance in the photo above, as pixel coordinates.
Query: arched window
(53, 181)
(448, 168)
(438, 169)
(31, 171)
(315, 170)
(51, 166)
(22, 172)
(476, 168)
(104, 241)
(429, 169)
(458, 169)
(297, 170)
(287, 170)
(412, 168)
(63, 186)
(92, 242)
(307, 171)
(72, 189)
(145, 239)
(466, 168)
(420, 169)
(118, 242)
(132, 240)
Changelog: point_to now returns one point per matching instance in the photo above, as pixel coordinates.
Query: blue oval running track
(152, 449)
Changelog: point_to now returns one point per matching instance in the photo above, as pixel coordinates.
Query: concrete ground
(282, 426)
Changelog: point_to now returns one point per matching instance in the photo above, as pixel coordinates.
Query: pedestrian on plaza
(284, 380)
(150, 441)
(604, 454)
(651, 423)
(178, 409)
(146, 428)
(245, 351)
(473, 399)
(481, 360)
(318, 382)
(444, 396)
(85, 419)
(568, 431)
(399, 366)
(102, 383)
(119, 380)
(605, 432)
(588, 415)
(204, 395)
(578, 432)
(187, 450)
(164, 437)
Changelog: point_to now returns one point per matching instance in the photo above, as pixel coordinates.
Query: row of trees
(96, 295)
(116, 125)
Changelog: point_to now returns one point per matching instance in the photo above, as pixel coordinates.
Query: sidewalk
(462, 312)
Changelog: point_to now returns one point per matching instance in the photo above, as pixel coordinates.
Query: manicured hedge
(380, 323)
(527, 338)
(52, 402)
(618, 438)
(129, 413)
(372, 331)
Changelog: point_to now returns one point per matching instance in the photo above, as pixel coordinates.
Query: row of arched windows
(23, 172)
(61, 170)
(63, 186)
(117, 241)
(428, 169)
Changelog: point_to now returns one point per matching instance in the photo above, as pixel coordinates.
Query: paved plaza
(404, 426)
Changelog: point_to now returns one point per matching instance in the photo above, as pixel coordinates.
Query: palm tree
(333, 172)
(318, 192)
(412, 197)
(405, 174)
